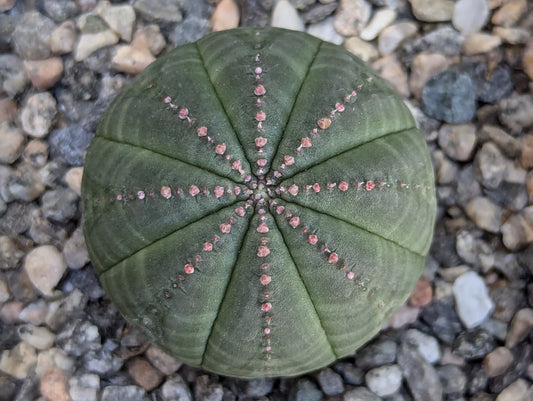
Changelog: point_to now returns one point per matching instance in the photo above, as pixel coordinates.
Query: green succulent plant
(259, 202)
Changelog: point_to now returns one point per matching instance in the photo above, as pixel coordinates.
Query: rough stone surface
(450, 96)
(31, 37)
(458, 141)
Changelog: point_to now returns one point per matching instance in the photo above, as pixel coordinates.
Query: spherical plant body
(258, 202)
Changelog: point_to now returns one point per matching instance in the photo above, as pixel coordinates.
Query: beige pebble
(392, 36)
(516, 391)
(351, 17)
(509, 13)
(513, 36)
(11, 143)
(63, 38)
(362, 49)
(44, 74)
(73, 179)
(225, 16)
(54, 385)
(53, 358)
(144, 374)
(38, 337)
(432, 10)
(425, 66)
(36, 153)
(527, 59)
(479, 43)
(162, 361)
(521, 326)
(149, 37)
(10, 311)
(382, 18)
(6, 5)
(90, 42)
(131, 60)
(38, 114)
(8, 110)
(391, 69)
(518, 229)
(45, 266)
(284, 15)
(497, 362)
(19, 361)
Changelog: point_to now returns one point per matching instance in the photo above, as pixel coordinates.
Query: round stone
(218, 204)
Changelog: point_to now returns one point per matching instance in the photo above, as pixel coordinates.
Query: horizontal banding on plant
(247, 184)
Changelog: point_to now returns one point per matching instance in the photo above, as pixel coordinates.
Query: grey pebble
(70, 143)
(453, 380)
(189, 30)
(420, 375)
(79, 337)
(86, 281)
(162, 11)
(59, 205)
(381, 352)
(473, 344)
(360, 394)
(441, 317)
(205, 390)
(318, 12)
(330, 382)
(450, 96)
(17, 218)
(7, 26)
(305, 390)
(255, 12)
(491, 166)
(103, 362)
(516, 112)
(494, 85)
(31, 37)
(13, 78)
(124, 393)
(60, 10)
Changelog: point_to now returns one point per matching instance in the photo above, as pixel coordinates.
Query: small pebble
(485, 214)
(70, 143)
(8, 110)
(306, 390)
(382, 352)
(516, 112)
(162, 361)
(162, 11)
(31, 37)
(450, 96)
(497, 362)
(491, 165)
(432, 10)
(38, 114)
(425, 66)
(422, 293)
(226, 16)
(359, 394)
(6, 5)
(507, 143)
(175, 388)
(60, 10)
(4, 291)
(458, 141)
(10, 253)
(385, 380)
(54, 385)
(38, 337)
(473, 344)
(516, 391)
(63, 38)
(285, 16)
(472, 300)
(144, 374)
(324, 30)
(452, 378)
(330, 382)
(391, 70)
(149, 37)
(394, 35)
(521, 326)
(93, 39)
(426, 345)
(381, 19)
(527, 59)
(513, 36)
(18, 361)
(45, 267)
(517, 230)
(527, 151)
(404, 316)
(13, 79)
(362, 49)
(121, 19)
(36, 153)
(352, 16)
(73, 179)
(131, 60)
(509, 13)
(123, 393)
(11, 143)
(59, 205)
(84, 388)
(75, 250)
(479, 43)
(54, 358)
(469, 16)
(44, 74)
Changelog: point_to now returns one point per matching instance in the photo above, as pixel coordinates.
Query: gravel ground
(465, 69)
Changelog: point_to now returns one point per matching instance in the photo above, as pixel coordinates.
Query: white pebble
(472, 300)
(469, 16)
(385, 380)
(381, 20)
(427, 346)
